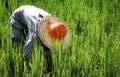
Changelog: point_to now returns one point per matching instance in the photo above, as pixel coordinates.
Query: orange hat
(51, 29)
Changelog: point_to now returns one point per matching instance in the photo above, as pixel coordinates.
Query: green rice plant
(37, 65)
(94, 51)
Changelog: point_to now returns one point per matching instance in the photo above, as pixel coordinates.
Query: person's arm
(28, 48)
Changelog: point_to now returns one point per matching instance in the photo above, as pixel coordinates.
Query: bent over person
(33, 23)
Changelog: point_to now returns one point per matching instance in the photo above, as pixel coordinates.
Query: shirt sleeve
(31, 37)
(29, 45)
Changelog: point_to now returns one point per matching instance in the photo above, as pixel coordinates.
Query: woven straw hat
(50, 29)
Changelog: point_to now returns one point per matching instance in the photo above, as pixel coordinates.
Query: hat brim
(45, 38)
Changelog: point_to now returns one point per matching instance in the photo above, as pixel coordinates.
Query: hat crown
(56, 31)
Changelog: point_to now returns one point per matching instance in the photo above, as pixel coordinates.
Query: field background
(95, 47)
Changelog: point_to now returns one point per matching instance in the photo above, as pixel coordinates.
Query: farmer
(33, 23)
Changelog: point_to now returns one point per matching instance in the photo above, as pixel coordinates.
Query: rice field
(95, 47)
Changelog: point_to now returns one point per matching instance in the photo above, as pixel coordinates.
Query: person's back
(27, 16)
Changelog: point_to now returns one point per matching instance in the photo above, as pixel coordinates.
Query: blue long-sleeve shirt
(28, 17)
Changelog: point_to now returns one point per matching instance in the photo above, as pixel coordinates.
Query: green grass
(95, 47)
